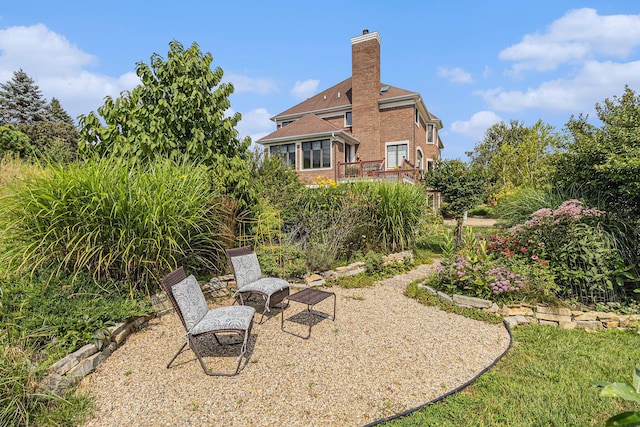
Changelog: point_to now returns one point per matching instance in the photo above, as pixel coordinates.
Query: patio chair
(249, 280)
(200, 322)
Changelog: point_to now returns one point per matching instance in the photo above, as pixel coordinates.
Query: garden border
(449, 393)
(548, 315)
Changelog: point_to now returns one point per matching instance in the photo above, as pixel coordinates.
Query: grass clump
(66, 313)
(22, 399)
(115, 218)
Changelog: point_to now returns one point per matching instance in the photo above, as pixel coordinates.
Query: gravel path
(384, 353)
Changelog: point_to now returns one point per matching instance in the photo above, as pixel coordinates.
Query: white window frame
(430, 164)
(346, 121)
(279, 153)
(386, 152)
(419, 159)
(430, 133)
(349, 153)
(311, 168)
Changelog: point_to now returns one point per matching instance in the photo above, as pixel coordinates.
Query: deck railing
(375, 170)
(359, 169)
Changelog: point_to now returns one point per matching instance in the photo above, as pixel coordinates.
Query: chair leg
(177, 354)
(243, 350)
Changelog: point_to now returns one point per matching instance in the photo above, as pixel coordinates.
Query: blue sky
(474, 63)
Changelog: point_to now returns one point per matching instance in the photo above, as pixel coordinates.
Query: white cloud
(58, 68)
(256, 124)
(475, 127)
(28, 47)
(579, 35)
(303, 90)
(261, 86)
(455, 75)
(595, 82)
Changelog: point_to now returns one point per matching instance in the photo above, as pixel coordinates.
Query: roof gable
(309, 124)
(336, 97)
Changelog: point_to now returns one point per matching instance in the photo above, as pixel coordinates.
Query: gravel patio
(384, 354)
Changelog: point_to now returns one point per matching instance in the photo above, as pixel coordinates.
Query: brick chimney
(365, 79)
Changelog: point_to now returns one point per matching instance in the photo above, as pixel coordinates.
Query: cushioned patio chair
(249, 280)
(199, 321)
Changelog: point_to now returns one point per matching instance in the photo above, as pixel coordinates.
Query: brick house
(358, 129)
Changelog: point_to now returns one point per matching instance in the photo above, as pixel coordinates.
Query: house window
(395, 154)
(430, 164)
(316, 154)
(430, 134)
(417, 117)
(348, 119)
(286, 123)
(419, 160)
(286, 151)
(348, 152)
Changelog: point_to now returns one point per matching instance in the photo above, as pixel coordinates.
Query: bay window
(286, 151)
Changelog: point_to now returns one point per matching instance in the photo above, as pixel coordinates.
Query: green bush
(65, 312)
(334, 222)
(327, 225)
(373, 262)
(114, 218)
(482, 211)
(281, 261)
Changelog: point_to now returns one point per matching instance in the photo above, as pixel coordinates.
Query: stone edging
(524, 314)
(72, 368)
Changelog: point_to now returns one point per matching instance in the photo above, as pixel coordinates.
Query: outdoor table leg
(309, 297)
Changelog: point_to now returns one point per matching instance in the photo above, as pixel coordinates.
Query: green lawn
(546, 379)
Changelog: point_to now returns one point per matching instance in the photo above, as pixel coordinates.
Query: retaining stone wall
(524, 314)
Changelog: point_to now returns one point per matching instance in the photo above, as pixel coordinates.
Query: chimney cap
(365, 31)
(366, 36)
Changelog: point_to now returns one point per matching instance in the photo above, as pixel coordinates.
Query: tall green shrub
(398, 211)
(113, 218)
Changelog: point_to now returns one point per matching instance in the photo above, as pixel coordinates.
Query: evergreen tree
(58, 114)
(21, 100)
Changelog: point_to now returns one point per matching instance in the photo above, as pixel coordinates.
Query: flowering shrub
(504, 280)
(481, 269)
(570, 239)
(496, 279)
(473, 271)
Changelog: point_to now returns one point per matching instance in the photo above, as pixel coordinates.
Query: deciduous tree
(460, 186)
(515, 155)
(13, 142)
(180, 109)
(605, 161)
